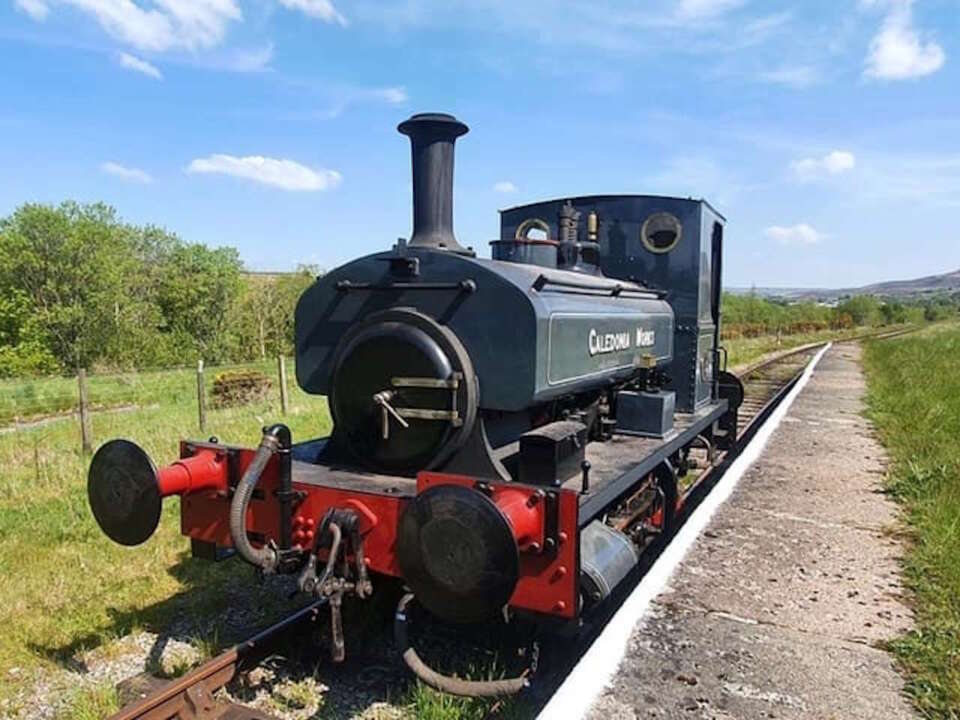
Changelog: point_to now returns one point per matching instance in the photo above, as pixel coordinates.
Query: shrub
(239, 387)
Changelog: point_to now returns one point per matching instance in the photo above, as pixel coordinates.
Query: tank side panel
(528, 343)
(496, 323)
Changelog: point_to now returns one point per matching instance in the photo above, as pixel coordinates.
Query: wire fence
(28, 403)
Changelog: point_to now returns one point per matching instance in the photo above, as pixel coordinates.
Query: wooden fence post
(201, 398)
(282, 371)
(86, 436)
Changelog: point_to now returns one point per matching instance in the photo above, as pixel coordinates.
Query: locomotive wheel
(458, 553)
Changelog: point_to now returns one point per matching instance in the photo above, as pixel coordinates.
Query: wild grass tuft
(94, 703)
(914, 400)
(425, 703)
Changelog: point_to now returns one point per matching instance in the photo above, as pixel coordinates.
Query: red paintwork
(548, 581)
(205, 470)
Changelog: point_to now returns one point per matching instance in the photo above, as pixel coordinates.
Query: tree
(263, 317)
(70, 265)
(80, 287)
(196, 288)
(862, 309)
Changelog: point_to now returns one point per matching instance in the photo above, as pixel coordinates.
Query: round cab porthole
(661, 232)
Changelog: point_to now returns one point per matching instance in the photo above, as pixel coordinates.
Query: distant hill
(947, 282)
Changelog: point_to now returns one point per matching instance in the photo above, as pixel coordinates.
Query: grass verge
(67, 588)
(914, 400)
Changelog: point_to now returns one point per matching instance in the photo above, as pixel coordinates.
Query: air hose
(265, 558)
(445, 683)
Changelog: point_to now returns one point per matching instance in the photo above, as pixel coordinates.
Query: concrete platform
(778, 609)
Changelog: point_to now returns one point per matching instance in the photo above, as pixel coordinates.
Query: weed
(94, 703)
(914, 401)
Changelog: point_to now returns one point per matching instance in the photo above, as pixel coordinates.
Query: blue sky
(827, 132)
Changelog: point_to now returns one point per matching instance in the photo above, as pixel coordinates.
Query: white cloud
(345, 96)
(37, 9)
(167, 24)
(320, 9)
(131, 62)
(284, 174)
(247, 61)
(916, 180)
(392, 95)
(504, 186)
(795, 76)
(833, 163)
(800, 234)
(125, 173)
(897, 52)
(699, 9)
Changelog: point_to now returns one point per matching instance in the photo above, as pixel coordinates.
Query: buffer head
(123, 492)
(458, 553)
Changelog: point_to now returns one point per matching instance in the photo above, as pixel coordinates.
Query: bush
(28, 359)
(239, 387)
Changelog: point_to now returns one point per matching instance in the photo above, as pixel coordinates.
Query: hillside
(945, 282)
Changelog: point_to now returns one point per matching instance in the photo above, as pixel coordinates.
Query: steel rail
(191, 696)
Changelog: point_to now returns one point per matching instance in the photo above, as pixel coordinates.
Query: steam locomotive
(507, 432)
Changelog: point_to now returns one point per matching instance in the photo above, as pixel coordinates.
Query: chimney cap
(456, 128)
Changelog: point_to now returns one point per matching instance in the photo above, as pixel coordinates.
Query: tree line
(751, 315)
(81, 288)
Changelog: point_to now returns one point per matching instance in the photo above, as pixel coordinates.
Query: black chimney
(432, 136)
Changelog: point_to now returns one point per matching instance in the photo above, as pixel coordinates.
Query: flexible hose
(264, 558)
(445, 683)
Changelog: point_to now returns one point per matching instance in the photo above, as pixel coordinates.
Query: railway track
(192, 696)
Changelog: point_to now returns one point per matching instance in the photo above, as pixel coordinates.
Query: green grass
(914, 400)
(93, 703)
(425, 703)
(23, 400)
(66, 587)
(743, 351)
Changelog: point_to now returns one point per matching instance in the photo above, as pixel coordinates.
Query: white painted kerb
(598, 665)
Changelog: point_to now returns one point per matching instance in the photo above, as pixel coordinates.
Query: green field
(66, 586)
(914, 399)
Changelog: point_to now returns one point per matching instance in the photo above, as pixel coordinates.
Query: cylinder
(432, 137)
(205, 470)
(606, 558)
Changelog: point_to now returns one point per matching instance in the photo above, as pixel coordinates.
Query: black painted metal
(375, 352)
(432, 137)
(457, 553)
(597, 503)
(685, 273)
(285, 493)
(123, 492)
